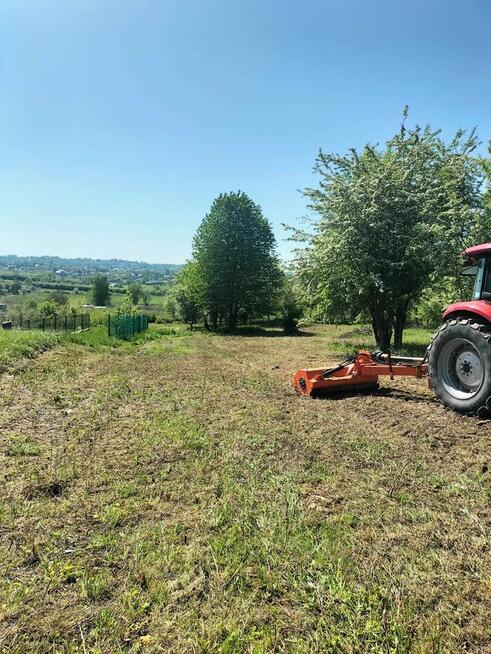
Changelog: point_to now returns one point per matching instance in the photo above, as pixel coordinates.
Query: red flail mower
(457, 362)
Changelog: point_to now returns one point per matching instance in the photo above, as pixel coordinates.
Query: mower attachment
(359, 372)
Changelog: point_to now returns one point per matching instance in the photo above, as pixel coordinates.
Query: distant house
(61, 273)
(3, 307)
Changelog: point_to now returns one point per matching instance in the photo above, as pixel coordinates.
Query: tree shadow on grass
(269, 333)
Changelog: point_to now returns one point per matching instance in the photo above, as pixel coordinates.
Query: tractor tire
(459, 366)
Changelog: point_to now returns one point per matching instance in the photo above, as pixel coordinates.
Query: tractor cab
(478, 265)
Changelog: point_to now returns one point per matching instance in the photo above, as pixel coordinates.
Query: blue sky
(121, 120)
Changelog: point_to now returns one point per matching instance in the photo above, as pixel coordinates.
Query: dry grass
(177, 496)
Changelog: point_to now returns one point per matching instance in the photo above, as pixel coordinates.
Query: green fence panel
(126, 326)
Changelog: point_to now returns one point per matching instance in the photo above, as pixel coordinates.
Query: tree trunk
(382, 329)
(400, 319)
(375, 329)
(399, 325)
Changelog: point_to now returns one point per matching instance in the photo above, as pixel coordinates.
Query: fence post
(74, 321)
(56, 321)
(43, 324)
(133, 325)
(109, 324)
(28, 323)
(82, 321)
(88, 321)
(66, 323)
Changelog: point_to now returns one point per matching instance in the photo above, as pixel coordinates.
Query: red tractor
(457, 361)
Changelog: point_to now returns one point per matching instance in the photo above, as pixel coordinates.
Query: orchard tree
(235, 261)
(100, 291)
(387, 220)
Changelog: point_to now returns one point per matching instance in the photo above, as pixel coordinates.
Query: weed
(95, 587)
(22, 446)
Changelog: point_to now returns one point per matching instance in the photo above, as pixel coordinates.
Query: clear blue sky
(121, 120)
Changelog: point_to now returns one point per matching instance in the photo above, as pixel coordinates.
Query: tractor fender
(478, 310)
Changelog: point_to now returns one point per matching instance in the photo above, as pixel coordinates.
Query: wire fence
(126, 326)
(59, 323)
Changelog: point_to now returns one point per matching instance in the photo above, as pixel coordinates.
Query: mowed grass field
(176, 495)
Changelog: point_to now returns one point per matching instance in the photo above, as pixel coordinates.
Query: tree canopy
(234, 270)
(390, 221)
(100, 291)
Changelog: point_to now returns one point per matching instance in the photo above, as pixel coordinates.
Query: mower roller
(457, 362)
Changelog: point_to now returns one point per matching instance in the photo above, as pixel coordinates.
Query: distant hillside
(86, 264)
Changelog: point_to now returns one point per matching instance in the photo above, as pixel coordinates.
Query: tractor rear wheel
(459, 364)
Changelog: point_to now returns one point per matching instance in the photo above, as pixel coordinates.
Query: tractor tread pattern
(485, 410)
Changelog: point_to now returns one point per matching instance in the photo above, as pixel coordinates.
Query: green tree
(387, 220)
(189, 294)
(171, 307)
(48, 309)
(234, 253)
(59, 298)
(100, 291)
(15, 287)
(291, 306)
(135, 292)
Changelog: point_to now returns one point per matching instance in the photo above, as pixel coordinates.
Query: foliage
(145, 296)
(59, 298)
(48, 309)
(126, 308)
(15, 287)
(435, 298)
(100, 291)
(235, 262)
(291, 306)
(135, 292)
(189, 294)
(171, 307)
(391, 221)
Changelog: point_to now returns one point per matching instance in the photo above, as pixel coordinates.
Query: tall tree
(100, 291)
(234, 255)
(387, 218)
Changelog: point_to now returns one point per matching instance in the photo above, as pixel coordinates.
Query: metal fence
(67, 323)
(126, 326)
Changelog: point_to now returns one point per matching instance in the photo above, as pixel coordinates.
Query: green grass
(97, 337)
(173, 494)
(350, 338)
(15, 345)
